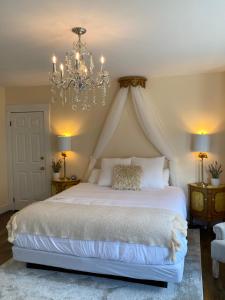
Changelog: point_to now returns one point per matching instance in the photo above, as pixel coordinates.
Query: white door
(28, 158)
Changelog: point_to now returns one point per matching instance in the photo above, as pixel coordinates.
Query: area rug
(19, 283)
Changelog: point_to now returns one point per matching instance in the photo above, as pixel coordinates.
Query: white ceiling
(144, 37)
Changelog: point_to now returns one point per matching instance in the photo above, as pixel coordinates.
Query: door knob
(42, 157)
(42, 168)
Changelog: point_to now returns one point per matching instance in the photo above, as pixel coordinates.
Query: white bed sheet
(171, 198)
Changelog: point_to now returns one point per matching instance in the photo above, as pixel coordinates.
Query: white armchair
(218, 248)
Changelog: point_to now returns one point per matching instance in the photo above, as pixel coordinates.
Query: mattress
(171, 198)
(130, 253)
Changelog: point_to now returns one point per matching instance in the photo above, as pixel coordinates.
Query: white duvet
(171, 198)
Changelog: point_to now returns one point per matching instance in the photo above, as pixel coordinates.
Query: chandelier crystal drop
(76, 81)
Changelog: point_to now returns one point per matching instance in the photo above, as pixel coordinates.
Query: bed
(133, 260)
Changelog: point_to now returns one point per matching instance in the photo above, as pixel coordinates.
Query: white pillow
(93, 178)
(152, 171)
(107, 165)
(166, 176)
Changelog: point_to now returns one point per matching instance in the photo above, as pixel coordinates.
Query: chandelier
(76, 81)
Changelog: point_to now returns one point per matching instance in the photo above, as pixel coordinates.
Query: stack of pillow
(131, 173)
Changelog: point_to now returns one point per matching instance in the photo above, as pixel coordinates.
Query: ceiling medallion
(76, 81)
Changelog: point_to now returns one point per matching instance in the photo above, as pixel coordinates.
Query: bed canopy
(147, 118)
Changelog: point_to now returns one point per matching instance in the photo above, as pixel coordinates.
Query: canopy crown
(127, 81)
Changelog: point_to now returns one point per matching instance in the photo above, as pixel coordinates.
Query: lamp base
(64, 178)
(202, 184)
(64, 156)
(202, 155)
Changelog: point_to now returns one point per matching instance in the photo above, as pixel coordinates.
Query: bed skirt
(166, 273)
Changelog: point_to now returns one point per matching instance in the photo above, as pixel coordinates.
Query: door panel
(20, 146)
(29, 170)
(36, 148)
(38, 184)
(22, 185)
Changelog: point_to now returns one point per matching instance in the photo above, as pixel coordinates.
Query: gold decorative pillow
(127, 177)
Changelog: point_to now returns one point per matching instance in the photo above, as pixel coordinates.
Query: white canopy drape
(149, 121)
(109, 128)
(153, 128)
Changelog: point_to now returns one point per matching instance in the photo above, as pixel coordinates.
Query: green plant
(215, 169)
(56, 165)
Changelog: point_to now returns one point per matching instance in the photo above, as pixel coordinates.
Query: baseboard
(5, 208)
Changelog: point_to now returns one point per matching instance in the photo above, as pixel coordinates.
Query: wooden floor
(5, 247)
(213, 289)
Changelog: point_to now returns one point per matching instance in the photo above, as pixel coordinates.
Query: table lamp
(64, 144)
(200, 143)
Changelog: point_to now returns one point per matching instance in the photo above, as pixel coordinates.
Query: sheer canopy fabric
(152, 127)
(109, 128)
(149, 121)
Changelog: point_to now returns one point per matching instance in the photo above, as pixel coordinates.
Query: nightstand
(207, 203)
(63, 184)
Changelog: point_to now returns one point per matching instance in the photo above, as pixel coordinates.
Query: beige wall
(4, 201)
(190, 104)
(186, 104)
(28, 95)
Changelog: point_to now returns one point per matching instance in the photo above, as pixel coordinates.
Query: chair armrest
(219, 230)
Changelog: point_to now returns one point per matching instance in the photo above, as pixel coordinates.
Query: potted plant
(215, 170)
(56, 167)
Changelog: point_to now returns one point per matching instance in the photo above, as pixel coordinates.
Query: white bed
(114, 258)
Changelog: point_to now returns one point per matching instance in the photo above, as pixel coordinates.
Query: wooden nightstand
(61, 185)
(207, 203)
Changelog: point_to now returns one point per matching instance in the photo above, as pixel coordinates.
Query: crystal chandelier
(76, 81)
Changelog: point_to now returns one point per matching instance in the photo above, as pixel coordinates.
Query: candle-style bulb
(61, 67)
(77, 56)
(102, 59)
(61, 70)
(54, 59)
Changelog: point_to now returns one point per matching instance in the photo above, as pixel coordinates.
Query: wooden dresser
(207, 203)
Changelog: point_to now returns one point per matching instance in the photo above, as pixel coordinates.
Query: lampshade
(200, 143)
(64, 143)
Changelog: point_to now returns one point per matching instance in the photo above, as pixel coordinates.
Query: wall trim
(45, 108)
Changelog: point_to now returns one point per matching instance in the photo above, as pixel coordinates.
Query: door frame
(45, 108)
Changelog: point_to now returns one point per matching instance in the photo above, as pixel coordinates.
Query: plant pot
(56, 176)
(215, 181)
